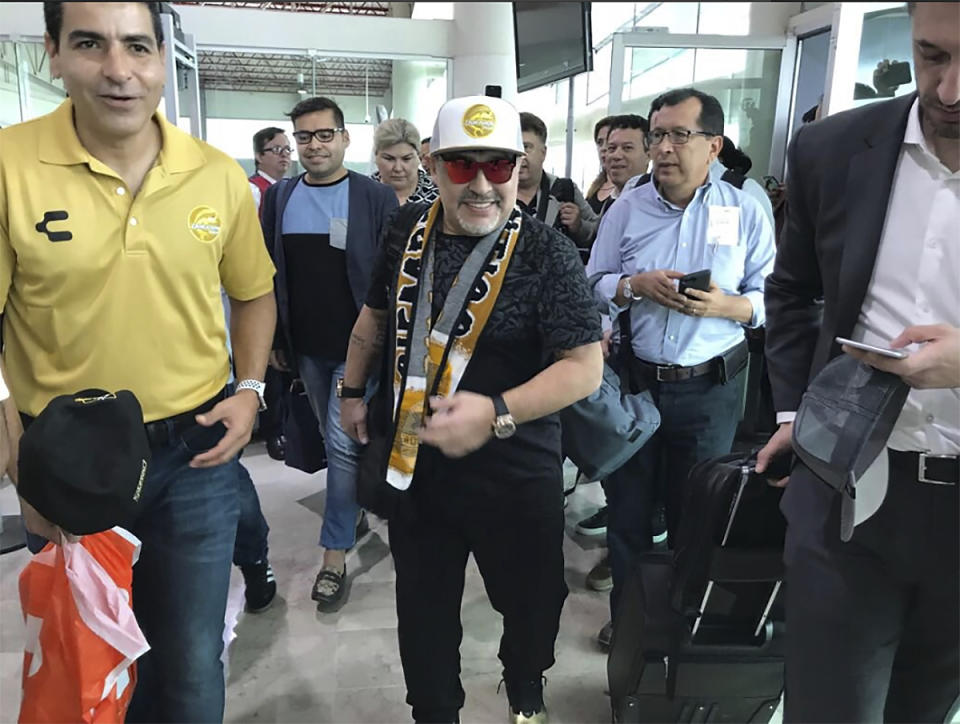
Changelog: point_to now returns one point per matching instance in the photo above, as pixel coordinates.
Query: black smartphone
(897, 74)
(695, 280)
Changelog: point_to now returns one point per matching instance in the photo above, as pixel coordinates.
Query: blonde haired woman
(396, 144)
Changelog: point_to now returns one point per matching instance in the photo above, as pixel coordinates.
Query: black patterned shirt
(426, 191)
(545, 306)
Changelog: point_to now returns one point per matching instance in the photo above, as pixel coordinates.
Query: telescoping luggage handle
(739, 561)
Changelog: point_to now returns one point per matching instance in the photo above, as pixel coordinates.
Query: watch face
(504, 427)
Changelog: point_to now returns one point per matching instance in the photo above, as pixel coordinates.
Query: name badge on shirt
(723, 225)
(338, 233)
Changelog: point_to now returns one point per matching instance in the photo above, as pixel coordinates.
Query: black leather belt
(161, 432)
(931, 469)
(675, 373)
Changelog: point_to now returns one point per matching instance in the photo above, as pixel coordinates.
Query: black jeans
(516, 536)
(872, 624)
(698, 421)
(252, 529)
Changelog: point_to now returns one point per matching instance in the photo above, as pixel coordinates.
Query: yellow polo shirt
(103, 289)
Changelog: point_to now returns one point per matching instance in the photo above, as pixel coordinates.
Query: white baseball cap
(477, 123)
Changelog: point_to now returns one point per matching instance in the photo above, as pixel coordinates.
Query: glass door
(742, 72)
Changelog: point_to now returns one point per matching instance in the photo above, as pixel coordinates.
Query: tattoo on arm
(365, 344)
(358, 340)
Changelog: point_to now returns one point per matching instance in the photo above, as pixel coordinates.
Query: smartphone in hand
(695, 280)
(884, 351)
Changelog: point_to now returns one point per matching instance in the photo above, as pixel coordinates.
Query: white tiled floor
(292, 664)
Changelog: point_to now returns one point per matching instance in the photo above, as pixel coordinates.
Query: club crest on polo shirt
(204, 223)
(479, 121)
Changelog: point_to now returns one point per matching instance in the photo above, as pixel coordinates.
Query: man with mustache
(869, 252)
(688, 349)
(483, 326)
(323, 229)
(626, 155)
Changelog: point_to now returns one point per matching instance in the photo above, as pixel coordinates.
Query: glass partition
(744, 80)
(26, 88)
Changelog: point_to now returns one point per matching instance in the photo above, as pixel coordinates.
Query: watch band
(499, 406)
(345, 392)
(258, 387)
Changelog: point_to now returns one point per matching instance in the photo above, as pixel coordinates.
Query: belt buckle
(922, 468)
(661, 369)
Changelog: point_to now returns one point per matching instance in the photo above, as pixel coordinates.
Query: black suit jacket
(840, 174)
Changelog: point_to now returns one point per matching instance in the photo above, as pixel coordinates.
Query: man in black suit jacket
(871, 252)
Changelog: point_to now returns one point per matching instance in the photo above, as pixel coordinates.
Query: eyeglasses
(279, 150)
(324, 135)
(463, 170)
(678, 136)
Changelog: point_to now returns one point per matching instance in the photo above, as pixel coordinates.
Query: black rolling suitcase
(698, 634)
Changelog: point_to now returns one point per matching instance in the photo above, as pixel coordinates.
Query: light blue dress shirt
(750, 188)
(643, 232)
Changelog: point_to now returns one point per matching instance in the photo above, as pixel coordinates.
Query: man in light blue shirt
(688, 348)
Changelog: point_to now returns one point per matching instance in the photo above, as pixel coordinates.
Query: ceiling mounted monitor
(553, 41)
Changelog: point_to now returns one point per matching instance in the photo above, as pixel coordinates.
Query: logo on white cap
(479, 121)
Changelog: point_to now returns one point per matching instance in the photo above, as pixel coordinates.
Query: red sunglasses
(462, 170)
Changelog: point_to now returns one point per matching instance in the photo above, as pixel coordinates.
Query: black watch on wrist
(503, 424)
(345, 392)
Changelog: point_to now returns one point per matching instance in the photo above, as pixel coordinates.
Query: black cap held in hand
(84, 459)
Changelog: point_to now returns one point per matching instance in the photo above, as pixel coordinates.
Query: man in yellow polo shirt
(117, 231)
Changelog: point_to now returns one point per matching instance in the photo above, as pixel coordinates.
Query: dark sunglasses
(463, 170)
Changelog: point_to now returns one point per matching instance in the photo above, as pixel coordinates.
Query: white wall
(419, 89)
(332, 33)
(483, 48)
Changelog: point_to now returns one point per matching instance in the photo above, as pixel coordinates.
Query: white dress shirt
(916, 281)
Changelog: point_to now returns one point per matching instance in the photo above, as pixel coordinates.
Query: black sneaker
(363, 525)
(595, 525)
(605, 636)
(277, 447)
(261, 588)
(658, 526)
(600, 577)
(526, 701)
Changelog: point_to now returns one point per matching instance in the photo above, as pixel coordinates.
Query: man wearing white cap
(500, 335)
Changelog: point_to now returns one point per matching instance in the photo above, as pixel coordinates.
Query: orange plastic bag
(82, 637)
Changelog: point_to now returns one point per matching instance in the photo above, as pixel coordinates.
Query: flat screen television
(553, 41)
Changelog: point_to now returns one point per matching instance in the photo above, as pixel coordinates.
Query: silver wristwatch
(258, 387)
(503, 424)
(626, 290)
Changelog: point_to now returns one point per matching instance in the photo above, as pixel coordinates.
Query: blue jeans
(187, 524)
(341, 510)
(252, 528)
(698, 421)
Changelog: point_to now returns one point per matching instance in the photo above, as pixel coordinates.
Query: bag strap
(734, 178)
(544, 198)
(625, 352)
